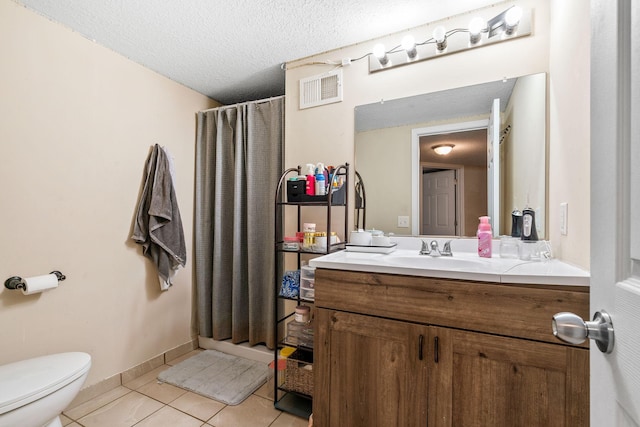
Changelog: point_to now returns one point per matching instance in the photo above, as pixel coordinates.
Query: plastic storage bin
(307, 290)
(300, 334)
(307, 282)
(307, 272)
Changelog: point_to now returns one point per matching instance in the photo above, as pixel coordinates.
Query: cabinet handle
(435, 349)
(420, 341)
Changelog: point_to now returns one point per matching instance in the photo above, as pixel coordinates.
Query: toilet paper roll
(33, 285)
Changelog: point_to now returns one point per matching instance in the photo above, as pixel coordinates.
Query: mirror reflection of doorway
(467, 179)
(439, 207)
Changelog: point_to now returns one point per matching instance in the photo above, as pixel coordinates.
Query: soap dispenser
(484, 237)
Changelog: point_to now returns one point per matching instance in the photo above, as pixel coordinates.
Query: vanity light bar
(498, 29)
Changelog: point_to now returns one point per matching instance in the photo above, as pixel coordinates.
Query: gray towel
(158, 227)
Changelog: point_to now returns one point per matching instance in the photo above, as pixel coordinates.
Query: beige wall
(384, 162)
(325, 133)
(76, 124)
(569, 115)
(525, 151)
(475, 198)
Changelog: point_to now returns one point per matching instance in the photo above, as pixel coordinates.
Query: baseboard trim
(114, 381)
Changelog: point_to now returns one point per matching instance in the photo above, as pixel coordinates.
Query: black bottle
(516, 223)
(529, 225)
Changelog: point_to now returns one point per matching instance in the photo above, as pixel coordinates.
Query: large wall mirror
(497, 135)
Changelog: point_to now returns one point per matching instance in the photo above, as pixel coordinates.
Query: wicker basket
(298, 375)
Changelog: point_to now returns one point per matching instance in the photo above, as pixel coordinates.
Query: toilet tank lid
(25, 381)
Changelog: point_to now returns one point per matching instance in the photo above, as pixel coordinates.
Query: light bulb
(381, 54)
(378, 51)
(440, 36)
(512, 19)
(513, 16)
(409, 45)
(477, 25)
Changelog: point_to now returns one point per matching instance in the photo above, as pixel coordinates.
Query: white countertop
(465, 264)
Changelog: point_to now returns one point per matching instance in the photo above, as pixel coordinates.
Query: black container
(516, 223)
(296, 189)
(296, 192)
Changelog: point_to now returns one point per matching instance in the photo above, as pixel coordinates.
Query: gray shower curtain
(239, 152)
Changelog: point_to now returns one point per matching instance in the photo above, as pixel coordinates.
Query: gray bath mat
(220, 376)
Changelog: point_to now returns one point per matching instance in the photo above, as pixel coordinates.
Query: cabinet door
(369, 371)
(487, 380)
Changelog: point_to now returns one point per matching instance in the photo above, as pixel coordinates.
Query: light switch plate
(403, 222)
(564, 218)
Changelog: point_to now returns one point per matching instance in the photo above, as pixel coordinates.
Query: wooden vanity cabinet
(413, 351)
(372, 373)
(486, 380)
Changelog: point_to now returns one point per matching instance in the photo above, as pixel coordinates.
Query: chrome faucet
(446, 250)
(433, 250)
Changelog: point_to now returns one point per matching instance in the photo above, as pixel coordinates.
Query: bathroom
(75, 133)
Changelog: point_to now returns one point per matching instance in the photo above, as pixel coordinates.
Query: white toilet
(34, 392)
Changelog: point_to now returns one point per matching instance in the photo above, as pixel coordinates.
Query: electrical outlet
(403, 222)
(564, 218)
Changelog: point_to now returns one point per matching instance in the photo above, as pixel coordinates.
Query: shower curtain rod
(243, 103)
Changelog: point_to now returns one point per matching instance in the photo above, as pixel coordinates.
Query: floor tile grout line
(99, 407)
(130, 390)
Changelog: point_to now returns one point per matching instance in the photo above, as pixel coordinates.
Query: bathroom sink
(439, 263)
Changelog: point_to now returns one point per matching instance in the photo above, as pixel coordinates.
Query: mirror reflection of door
(468, 158)
(439, 208)
(493, 167)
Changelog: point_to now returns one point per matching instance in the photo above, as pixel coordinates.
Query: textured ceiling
(445, 105)
(232, 51)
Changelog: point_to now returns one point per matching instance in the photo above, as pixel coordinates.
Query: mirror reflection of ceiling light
(443, 149)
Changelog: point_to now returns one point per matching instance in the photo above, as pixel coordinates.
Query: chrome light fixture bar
(510, 24)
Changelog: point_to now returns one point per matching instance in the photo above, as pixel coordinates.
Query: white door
(439, 203)
(615, 208)
(493, 167)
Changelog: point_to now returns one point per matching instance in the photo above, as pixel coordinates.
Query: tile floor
(143, 402)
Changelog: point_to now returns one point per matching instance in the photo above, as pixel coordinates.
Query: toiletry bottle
(311, 180)
(321, 189)
(484, 237)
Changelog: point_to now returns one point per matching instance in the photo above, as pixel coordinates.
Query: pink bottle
(484, 237)
(310, 189)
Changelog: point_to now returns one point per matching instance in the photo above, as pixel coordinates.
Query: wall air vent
(322, 89)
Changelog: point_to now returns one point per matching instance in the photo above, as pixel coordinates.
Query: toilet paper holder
(16, 282)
